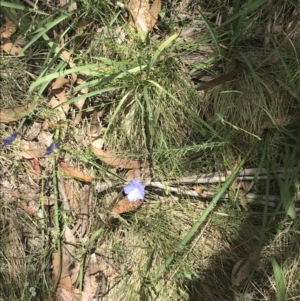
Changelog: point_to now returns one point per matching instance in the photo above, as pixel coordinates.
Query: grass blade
(212, 33)
(160, 49)
(188, 110)
(117, 111)
(203, 216)
(279, 279)
(46, 28)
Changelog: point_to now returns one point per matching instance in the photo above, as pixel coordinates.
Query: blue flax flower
(135, 190)
(9, 140)
(52, 148)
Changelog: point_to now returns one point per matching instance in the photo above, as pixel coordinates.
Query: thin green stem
(202, 217)
(56, 221)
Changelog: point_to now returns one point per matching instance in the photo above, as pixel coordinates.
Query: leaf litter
(66, 264)
(16, 113)
(115, 161)
(7, 30)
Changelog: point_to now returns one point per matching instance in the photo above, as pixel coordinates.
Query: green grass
(175, 246)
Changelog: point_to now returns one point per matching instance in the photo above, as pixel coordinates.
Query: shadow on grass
(270, 235)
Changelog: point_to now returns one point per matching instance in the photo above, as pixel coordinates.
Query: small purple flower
(9, 140)
(135, 190)
(52, 148)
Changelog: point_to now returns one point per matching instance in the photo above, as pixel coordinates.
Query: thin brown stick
(62, 191)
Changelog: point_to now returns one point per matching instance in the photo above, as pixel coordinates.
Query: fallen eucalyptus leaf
(17, 113)
(114, 161)
(12, 49)
(126, 206)
(75, 173)
(242, 270)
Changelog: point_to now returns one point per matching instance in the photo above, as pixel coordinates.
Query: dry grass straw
(18, 267)
(135, 245)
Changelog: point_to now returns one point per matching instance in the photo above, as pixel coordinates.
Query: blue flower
(135, 190)
(9, 140)
(52, 148)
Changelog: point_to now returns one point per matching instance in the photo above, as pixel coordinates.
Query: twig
(102, 186)
(62, 191)
(287, 88)
(85, 210)
(210, 178)
(213, 178)
(217, 177)
(250, 197)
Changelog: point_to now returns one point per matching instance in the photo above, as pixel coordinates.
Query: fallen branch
(214, 178)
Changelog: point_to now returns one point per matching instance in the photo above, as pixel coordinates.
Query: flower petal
(134, 182)
(128, 188)
(135, 195)
(9, 140)
(52, 148)
(134, 185)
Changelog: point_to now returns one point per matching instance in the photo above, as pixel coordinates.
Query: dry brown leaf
(87, 296)
(37, 168)
(30, 150)
(32, 153)
(77, 118)
(144, 17)
(72, 191)
(70, 248)
(133, 174)
(60, 82)
(59, 91)
(154, 10)
(242, 270)
(139, 12)
(81, 80)
(65, 295)
(12, 49)
(90, 279)
(114, 161)
(70, 238)
(82, 25)
(61, 95)
(30, 208)
(17, 113)
(67, 57)
(200, 190)
(8, 28)
(75, 173)
(64, 280)
(126, 206)
(53, 103)
(45, 138)
(32, 131)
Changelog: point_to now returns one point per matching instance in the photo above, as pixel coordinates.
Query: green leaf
(287, 197)
(96, 234)
(160, 49)
(279, 279)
